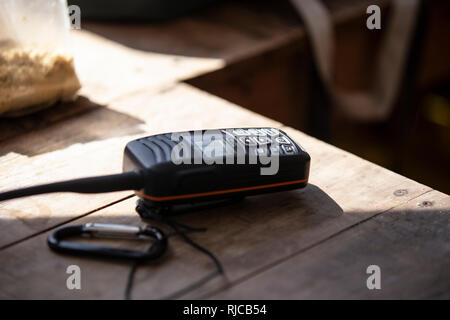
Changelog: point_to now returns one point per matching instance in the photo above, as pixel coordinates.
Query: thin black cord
(183, 233)
(173, 224)
(199, 283)
(130, 278)
(133, 269)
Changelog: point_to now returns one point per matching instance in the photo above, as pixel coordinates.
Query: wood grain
(248, 237)
(409, 243)
(132, 89)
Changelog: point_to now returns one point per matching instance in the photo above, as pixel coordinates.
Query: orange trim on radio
(212, 193)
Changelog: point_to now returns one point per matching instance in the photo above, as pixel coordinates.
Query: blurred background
(279, 78)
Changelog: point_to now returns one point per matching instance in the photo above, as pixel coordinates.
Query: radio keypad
(261, 140)
(288, 149)
(248, 141)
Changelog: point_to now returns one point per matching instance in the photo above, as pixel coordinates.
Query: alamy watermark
(73, 282)
(74, 16)
(231, 146)
(374, 20)
(374, 280)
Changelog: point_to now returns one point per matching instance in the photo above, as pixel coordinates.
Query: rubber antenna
(132, 180)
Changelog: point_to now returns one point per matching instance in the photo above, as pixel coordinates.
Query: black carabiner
(55, 241)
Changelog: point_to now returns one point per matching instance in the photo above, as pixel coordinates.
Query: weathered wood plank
(410, 244)
(108, 70)
(248, 237)
(92, 144)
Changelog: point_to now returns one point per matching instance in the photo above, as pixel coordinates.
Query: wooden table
(310, 243)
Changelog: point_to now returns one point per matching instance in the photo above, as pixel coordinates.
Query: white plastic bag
(36, 67)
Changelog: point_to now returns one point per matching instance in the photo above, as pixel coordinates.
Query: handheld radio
(196, 166)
